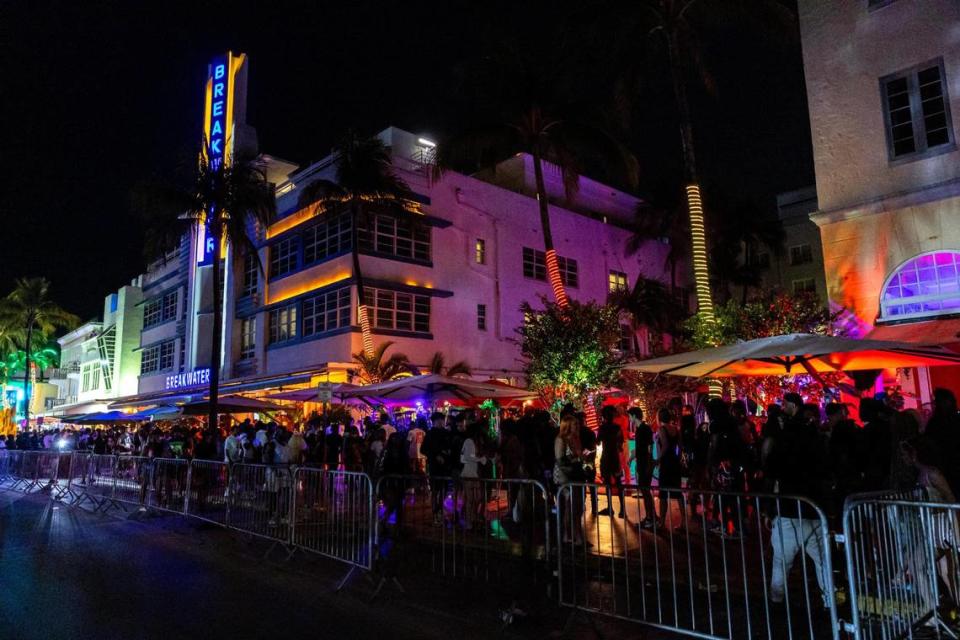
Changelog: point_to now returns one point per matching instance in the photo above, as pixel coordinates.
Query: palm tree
(29, 309)
(365, 183)
(43, 357)
(234, 200)
(668, 225)
(373, 368)
(652, 305)
(673, 27)
(438, 366)
(534, 117)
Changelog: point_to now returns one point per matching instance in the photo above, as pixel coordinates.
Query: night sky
(96, 96)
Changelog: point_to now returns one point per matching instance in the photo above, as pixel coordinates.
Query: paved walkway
(66, 573)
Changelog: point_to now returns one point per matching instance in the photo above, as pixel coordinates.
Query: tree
(30, 309)
(373, 368)
(44, 356)
(770, 313)
(233, 200)
(673, 28)
(652, 305)
(366, 184)
(531, 115)
(570, 351)
(438, 366)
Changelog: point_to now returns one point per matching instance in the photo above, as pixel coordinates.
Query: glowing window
(924, 286)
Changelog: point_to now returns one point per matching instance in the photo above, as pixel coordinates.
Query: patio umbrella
(310, 393)
(156, 413)
(436, 388)
(229, 404)
(797, 353)
(103, 417)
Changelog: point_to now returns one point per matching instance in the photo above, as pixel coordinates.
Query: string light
(553, 272)
(701, 275)
(366, 336)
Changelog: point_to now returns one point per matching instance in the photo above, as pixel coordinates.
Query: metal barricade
(169, 485)
(714, 565)
(9, 467)
(903, 564)
(48, 469)
(70, 468)
(132, 477)
(96, 481)
(495, 530)
(331, 513)
(208, 491)
(260, 500)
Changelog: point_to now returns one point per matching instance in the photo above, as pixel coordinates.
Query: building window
(398, 311)
(917, 110)
(85, 385)
(95, 377)
(283, 257)
(159, 357)
(616, 282)
(482, 317)
(800, 254)
(396, 236)
(535, 267)
(805, 285)
(762, 260)
(283, 324)
(159, 310)
(329, 238)
(251, 274)
(248, 337)
(326, 312)
(627, 344)
(927, 285)
(480, 251)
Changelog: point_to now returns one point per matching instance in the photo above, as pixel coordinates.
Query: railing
(714, 565)
(482, 529)
(903, 566)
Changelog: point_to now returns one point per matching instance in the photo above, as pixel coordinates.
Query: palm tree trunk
(366, 335)
(701, 273)
(553, 265)
(26, 376)
(217, 330)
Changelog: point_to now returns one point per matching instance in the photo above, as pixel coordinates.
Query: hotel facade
(453, 282)
(883, 86)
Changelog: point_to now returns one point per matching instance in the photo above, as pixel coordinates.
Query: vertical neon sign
(216, 125)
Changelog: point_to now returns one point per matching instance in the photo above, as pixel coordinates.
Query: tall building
(800, 266)
(100, 360)
(883, 80)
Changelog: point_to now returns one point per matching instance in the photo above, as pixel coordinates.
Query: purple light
(925, 286)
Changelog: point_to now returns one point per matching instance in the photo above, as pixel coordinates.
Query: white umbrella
(797, 353)
(436, 388)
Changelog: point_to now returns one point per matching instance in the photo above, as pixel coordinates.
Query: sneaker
(604, 512)
(646, 524)
(622, 515)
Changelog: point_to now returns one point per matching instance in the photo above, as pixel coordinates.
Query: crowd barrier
(482, 529)
(902, 565)
(719, 565)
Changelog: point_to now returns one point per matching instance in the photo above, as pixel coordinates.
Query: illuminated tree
(30, 310)
(234, 200)
(365, 183)
(570, 351)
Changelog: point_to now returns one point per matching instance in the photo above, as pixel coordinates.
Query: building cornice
(889, 202)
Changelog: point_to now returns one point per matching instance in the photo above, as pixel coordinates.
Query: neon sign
(216, 123)
(195, 378)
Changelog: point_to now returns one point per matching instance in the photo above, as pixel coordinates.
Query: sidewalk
(67, 573)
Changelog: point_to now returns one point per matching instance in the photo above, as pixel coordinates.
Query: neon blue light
(217, 125)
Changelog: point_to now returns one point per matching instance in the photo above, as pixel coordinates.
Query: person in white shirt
(232, 449)
(470, 474)
(415, 438)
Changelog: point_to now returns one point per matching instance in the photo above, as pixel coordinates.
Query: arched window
(925, 286)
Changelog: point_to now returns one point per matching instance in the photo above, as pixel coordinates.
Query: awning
(945, 331)
(229, 404)
(436, 388)
(310, 394)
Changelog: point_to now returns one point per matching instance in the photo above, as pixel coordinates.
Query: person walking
(471, 458)
(643, 455)
(568, 468)
(610, 436)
